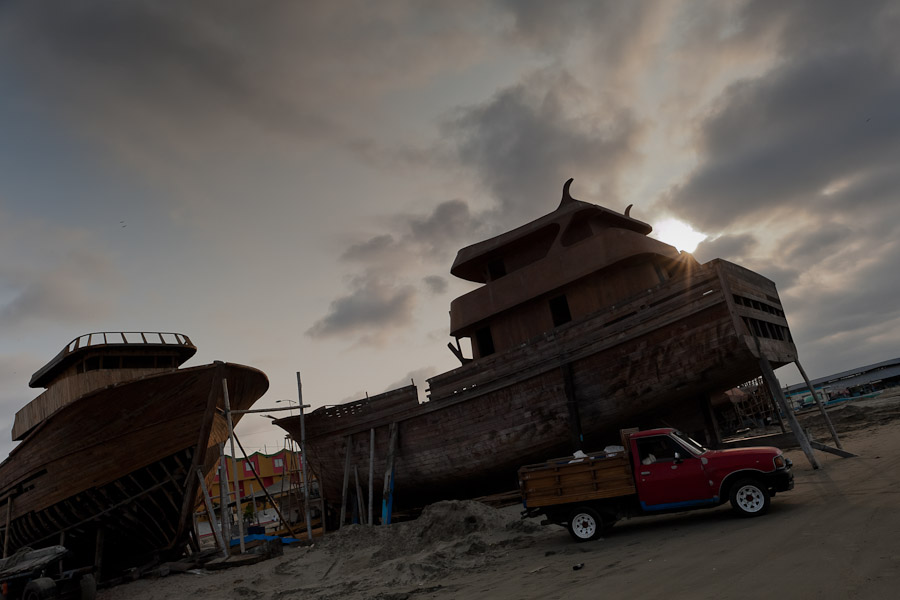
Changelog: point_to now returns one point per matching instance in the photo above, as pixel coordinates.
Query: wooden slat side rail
(591, 479)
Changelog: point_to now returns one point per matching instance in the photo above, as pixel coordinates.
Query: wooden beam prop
(190, 485)
(840, 452)
(359, 497)
(211, 514)
(237, 486)
(223, 494)
(303, 462)
(371, 473)
(265, 491)
(769, 376)
(387, 495)
(347, 441)
(834, 435)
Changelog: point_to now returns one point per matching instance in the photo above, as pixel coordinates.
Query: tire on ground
(42, 588)
(585, 524)
(749, 498)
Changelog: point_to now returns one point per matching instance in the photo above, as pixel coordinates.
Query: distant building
(848, 384)
(271, 468)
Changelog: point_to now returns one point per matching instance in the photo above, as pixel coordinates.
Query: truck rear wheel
(585, 524)
(39, 589)
(749, 498)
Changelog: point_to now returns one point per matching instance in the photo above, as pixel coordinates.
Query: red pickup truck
(659, 470)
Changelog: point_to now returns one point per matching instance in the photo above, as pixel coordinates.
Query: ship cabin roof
(120, 349)
(477, 262)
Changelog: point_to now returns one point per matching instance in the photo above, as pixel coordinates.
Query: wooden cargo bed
(565, 480)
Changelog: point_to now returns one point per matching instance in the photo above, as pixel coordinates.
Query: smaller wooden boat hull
(123, 460)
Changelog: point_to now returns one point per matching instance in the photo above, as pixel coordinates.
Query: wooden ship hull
(657, 354)
(583, 325)
(113, 473)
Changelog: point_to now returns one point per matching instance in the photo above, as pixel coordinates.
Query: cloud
(775, 144)
(527, 140)
(729, 247)
(435, 284)
(373, 309)
(53, 275)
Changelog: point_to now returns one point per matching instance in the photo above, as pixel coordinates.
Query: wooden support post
(347, 441)
(9, 502)
(359, 497)
(211, 514)
(371, 473)
(223, 494)
(840, 452)
(572, 405)
(62, 542)
(303, 462)
(253, 500)
(387, 495)
(834, 435)
(769, 376)
(237, 486)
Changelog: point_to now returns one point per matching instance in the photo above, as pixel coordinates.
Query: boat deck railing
(105, 338)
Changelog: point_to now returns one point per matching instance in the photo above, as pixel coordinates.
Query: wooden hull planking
(121, 459)
(658, 352)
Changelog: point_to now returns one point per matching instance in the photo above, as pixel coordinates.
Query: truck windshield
(691, 444)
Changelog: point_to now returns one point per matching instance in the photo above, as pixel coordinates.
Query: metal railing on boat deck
(105, 338)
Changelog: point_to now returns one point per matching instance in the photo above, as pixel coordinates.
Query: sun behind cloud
(678, 233)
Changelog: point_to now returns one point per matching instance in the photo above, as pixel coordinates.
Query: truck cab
(654, 471)
(673, 472)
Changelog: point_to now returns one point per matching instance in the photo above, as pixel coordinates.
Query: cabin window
(111, 362)
(485, 341)
(279, 463)
(559, 310)
(137, 362)
(496, 269)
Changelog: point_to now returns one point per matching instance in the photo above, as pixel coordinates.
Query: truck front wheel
(585, 524)
(749, 498)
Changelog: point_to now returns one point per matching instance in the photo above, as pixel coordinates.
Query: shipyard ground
(834, 536)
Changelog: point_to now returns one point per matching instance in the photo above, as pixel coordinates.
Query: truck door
(664, 482)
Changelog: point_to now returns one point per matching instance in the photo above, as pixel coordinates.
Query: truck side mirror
(678, 458)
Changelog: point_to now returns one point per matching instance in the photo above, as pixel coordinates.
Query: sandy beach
(833, 536)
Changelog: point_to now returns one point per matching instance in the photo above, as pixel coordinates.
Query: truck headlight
(779, 461)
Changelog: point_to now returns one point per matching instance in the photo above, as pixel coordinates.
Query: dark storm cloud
(527, 140)
(435, 284)
(370, 312)
(815, 242)
(825, 113)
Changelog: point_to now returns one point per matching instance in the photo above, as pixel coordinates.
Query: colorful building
(271, 469)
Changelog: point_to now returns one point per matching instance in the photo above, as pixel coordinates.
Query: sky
(288, 183)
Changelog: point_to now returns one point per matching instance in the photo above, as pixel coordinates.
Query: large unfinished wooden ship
(583, 324)
(109, 454)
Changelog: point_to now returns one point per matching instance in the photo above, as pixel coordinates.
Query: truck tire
(39, 589)
(749, 498)
(585, 524)
(87, 588)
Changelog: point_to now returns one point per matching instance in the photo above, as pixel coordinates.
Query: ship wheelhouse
(96, 360)
(568, 264)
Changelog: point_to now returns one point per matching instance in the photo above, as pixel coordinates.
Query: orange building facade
(271, 468)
